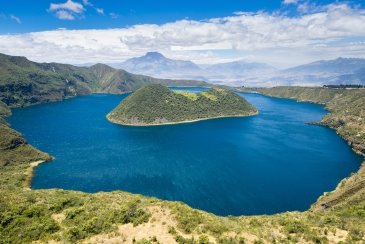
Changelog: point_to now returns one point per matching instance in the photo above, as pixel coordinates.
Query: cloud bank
(320, 33)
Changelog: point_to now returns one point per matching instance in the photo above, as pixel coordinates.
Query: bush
(134, 213)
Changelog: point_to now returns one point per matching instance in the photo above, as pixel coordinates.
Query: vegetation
(156, 104)
(344, 86)
(23, 82)
(41, 216)
(4, 110)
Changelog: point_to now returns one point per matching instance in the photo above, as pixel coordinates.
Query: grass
(68, 216)
(191, 95)
(209, 96)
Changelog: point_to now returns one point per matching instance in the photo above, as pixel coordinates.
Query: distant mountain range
(157, 65)
(330, 67)
(324, 72)
(338, 71)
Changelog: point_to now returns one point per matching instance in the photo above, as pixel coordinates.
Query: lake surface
(264, 164)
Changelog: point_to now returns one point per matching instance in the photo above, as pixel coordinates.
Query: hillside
(156, 104)
(23, 82)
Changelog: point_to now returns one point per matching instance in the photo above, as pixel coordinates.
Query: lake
(269, 163)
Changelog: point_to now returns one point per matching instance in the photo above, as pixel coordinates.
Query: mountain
(155, 64)
(357, 77)
(156, 104)
(238, 70)
(23, 82)
(337, 66)
(324, 72)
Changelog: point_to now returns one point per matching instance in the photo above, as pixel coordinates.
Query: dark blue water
(268, 163)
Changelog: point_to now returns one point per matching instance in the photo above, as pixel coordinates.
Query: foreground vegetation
(69, 216)
(156, 104)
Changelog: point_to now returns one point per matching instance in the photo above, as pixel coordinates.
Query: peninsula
(157, 105)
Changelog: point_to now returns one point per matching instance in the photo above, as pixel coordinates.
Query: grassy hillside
(4, 110)
(156, 104)
(23, 82)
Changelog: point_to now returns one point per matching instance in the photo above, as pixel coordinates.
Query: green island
(62, 216)
(157, 105)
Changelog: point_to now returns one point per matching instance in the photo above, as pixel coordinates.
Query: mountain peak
(154, 55)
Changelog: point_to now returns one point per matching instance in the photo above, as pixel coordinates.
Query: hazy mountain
(155, 64)
(357, 77)
(238, 70)
(337, 66)
(337, 71)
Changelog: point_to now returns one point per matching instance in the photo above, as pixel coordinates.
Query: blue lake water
(264, 164)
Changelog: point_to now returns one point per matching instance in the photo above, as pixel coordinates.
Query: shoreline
(321, 122)
(30, 173)
(179, 122)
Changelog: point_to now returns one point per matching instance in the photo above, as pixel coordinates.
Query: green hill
(156, 104)
(23, 82)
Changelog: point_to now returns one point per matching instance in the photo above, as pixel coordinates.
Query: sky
(282, 33)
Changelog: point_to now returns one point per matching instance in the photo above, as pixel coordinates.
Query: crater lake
(264, 164)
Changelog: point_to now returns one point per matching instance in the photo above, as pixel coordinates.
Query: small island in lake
(157, 105)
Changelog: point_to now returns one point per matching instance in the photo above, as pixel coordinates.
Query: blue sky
(281, 33)
(36, 16)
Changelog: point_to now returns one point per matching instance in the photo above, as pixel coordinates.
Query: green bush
(134, 213)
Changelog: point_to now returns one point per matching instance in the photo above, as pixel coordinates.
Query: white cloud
(290, 1)
(87, 3)
(68, 10)
(114, 15)
(273, 38)
(15, 18)
(63, 14)
(100, 11)
(69, 6)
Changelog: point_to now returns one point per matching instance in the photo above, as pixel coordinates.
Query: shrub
(134, 213)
